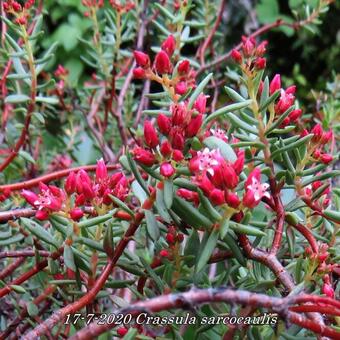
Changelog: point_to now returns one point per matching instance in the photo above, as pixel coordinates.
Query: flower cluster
(122, 8)
(49, 199)
(183, 76)
(21, 13)
(88, 192)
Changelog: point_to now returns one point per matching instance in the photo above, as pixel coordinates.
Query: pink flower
(167, 170)
(150, 134)
(285, 102)
(50, 198)
(205, 161)
(254, 189)
(219, 133)
(169, 45)
(163, 63)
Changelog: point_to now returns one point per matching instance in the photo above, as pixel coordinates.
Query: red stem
(211, 295)
(24, 277)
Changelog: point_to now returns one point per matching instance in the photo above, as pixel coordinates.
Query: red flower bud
(326, 137)
(295, 115)
(177, 155)
(122, 331)
(326, 158)
(285, 122)
(166, 149)
(217, 197)
(167, 170)
(180, 238)
(139, 73)
(201, 103)
(41, 215)
(317, 154)
(317, 132)
(76, 214)
(188, 195)
(261, 49)
(260, 63)
(232, 199)
(328, 290)
(80, 200)
(275, 84)
(181, 87)
(164, 253)
(177, 140)
(101, 170)
(239, 163)
(194, 126)
(291, 89)
(144, 156)
(164, 124)
(248, 46)
(170, 238)
(30, 196)
(88, 191)
(236, 56)
(304, 133)
(162, 63)
(142, 59)
(150, 134)
(169, 45)
(183, 67)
